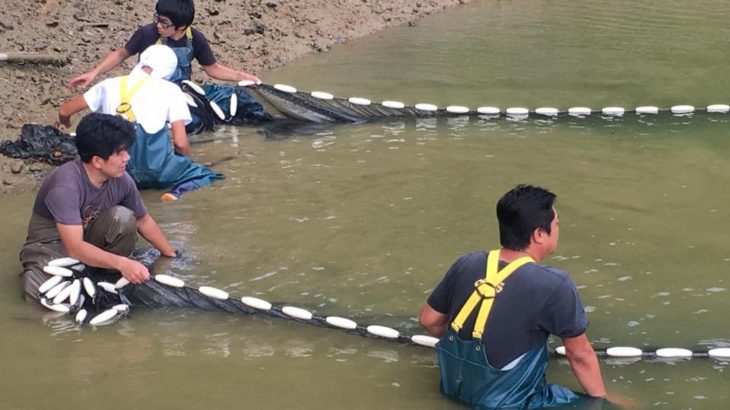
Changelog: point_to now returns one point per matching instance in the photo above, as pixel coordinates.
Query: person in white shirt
(146, 98)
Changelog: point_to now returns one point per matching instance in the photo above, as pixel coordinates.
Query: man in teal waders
(494, 312)
(172, 26)
(146, 98)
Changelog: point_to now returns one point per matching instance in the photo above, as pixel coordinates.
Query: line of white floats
(666, 352)
(60, 293)
(299, 313)
(516, 112)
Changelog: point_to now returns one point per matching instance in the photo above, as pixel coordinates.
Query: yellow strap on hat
(125, 108)
(485, 290)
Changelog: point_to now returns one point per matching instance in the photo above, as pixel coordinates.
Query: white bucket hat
(161, 59)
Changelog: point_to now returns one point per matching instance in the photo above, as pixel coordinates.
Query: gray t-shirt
(537, 300)
(68, 197)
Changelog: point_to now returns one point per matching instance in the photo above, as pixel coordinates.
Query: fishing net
(41, 142)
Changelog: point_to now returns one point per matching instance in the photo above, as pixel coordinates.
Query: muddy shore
(257, 36)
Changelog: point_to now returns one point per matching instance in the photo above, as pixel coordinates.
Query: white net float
(63, 262)
(341, 322)
(623, 351)
(547, 111)
(517, 112)
(719, 353)
(121, 308)
(50, 283)
(560, 350)
(246, 83)
(647, 109)
(57, 289)
(383, 331)
(285, 88)
(122, 282)
(671, 352)
(58, 271)
(104, 317)
(198, 90)
(423, 340)
(81, 316)
(75, 292)
(682, 109)
(256, 303)
(457, 109)
(426, 107)
(297, 313)
(55, 307)
(89, 287)
(613, 111)
(169, 281)
(233, 105)
(217, 110)
(579, 111)
(359, 101)
(718, 108)
(393, 104)
(109, 287)
(190, 101)
(489, 110)
(79, 267)
(214, 293)
(322, 95)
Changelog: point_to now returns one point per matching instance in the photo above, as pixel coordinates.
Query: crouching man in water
(146, 98)
(89, 209)
(494, 327)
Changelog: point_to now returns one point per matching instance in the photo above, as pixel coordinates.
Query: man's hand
(134, 271)
(83, 80)
(63, 120)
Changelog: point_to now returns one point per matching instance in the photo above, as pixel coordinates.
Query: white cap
(161, 59)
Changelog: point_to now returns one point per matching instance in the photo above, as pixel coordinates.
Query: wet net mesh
(41, 142)
(321, 107)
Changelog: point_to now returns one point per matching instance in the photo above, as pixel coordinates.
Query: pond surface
(362, 220)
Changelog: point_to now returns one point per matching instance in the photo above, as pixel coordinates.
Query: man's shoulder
(65, 174)
(197, 34)
(547, 273)
(148, 30)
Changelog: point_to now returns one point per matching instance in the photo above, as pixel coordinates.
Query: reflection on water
(361, 220)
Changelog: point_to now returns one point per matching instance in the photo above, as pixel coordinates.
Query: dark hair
(522, 210)
(180, 12)
(102, 135)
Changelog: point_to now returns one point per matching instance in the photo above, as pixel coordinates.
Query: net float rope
(103, 303)
(320, 106)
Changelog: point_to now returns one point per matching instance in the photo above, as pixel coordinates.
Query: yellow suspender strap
(125, 108)
(485, 290)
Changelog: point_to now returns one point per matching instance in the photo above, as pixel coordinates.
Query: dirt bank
(253, 35)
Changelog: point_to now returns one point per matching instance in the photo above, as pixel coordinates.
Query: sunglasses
(163, 22)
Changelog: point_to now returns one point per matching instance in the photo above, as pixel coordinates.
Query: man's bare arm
(585, 365)
(433, 321)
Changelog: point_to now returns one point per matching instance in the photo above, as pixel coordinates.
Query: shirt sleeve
(132, 199)
(564, 315)
(201, 49)
(178, 107)
(440, 298)
(141, 39)
(96, 96)
(64, 204)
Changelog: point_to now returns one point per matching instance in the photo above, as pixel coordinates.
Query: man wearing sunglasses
(171, 26)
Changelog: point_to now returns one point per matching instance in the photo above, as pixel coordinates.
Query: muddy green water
(362, 220)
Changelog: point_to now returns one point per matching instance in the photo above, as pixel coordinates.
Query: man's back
(536, 301)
